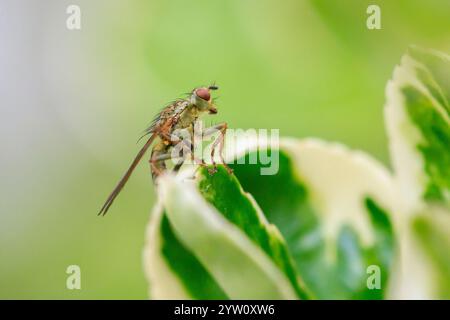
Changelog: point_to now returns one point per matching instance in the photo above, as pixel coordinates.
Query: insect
(180, 114)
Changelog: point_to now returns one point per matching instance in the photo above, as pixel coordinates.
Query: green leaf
(225, 193)
(433, 239)
(423, 268)
(220, 255)
(418, 124)
(173, 271)
(334, 208)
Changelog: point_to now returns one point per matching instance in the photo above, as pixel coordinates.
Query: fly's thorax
(188, 117)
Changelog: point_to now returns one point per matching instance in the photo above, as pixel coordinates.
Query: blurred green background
(73, 104)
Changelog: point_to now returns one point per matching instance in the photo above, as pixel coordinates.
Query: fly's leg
(188, 148)
(199, 161)
(160, 154)
(190, 145)
(218, 143)
(157, 164)
(177, 167)
(182, 157)
(173, 140)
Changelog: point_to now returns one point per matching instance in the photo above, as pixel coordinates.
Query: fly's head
(201, 98)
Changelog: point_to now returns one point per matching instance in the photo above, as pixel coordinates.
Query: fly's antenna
(213, 86)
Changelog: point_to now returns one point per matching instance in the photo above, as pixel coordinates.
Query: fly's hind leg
(177, 167)
(188, 147)
(157, 164)
(218, 143)
(160, 154)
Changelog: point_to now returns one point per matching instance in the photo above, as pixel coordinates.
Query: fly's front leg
(218, 143)
(199, 161)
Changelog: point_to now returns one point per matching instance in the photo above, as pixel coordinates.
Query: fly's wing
(126, 176)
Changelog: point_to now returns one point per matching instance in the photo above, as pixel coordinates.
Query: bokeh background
(73, 104)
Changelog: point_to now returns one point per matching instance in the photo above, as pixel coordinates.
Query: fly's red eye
(203, 93)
